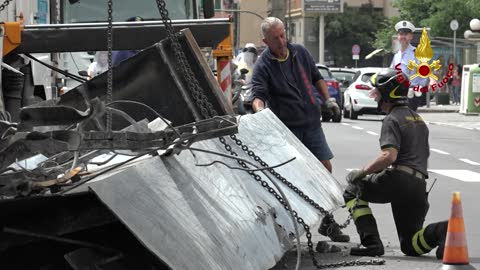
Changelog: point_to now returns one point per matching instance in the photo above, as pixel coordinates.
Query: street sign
(355, 49)
(454, 25)
(323, 6)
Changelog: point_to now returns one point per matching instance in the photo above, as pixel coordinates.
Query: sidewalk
(448, 115)
(438, 108)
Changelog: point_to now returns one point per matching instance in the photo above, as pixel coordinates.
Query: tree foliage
(437, 14)
(383, 37)
(354, 26)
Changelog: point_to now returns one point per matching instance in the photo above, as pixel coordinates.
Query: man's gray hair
(268, 23)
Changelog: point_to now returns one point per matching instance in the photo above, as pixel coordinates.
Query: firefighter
(396, 176)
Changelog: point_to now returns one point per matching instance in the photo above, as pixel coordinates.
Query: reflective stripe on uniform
(358, 212)
(351, 203)
(425, 248)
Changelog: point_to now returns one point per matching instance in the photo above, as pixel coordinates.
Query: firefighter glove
(355, 176)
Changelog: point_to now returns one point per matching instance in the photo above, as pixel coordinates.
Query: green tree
(354, 26)
(383, 37)
(437, 14)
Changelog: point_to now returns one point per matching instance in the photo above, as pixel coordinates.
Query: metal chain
(289, 184)
(208, 111)
(300, 220)
(109, 97)
(4, 4)
(206, 108)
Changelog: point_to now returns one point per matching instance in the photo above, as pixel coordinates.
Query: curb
(451, 125)
(419, 110)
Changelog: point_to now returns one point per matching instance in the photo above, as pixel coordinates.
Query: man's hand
(331, 103)
(258, 105)
(355, 176)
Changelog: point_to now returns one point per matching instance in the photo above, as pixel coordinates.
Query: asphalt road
(454, 162)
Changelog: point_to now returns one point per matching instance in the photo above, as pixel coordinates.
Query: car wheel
(345, 113)
(353, 115)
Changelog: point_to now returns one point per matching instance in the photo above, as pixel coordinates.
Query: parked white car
(356, 98)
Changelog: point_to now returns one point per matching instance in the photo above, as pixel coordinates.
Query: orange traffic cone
(455, 255)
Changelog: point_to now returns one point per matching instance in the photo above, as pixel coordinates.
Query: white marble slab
(213, 218)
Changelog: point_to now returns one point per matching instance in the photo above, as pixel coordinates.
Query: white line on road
(356, 127)
(345, 124)
(469, 161)
(439, 151)
(462, 175)
(372, 133)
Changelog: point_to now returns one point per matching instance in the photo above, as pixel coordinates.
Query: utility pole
(454, 27)
(321, 40)
(321, 8)
(289, 20)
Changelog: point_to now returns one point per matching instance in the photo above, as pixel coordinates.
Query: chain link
(208, 111)
(289, 184)
(279, 198)
(4, 4)
(206, 108)
(109, 97)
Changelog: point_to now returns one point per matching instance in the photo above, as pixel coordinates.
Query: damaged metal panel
(195, 217)
(153, 78)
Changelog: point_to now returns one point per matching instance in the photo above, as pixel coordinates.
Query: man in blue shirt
(286, 77)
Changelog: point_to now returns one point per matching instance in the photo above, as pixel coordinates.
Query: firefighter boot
(369, 237)
(434, 235)
(330, 228)
(440, 236)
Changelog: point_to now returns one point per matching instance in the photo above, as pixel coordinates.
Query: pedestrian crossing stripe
(469, 161)
(462, 175)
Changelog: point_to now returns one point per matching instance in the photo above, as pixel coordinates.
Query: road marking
(462, 175)
(345, 124)
(469, 161)
(356, 127)
(372, 133)
(439, 151)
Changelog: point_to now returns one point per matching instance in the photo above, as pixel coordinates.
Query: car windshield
(96, 11)
(343, 76)
(366, 77)
(325, 73)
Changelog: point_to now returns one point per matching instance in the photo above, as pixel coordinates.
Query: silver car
(344, 76)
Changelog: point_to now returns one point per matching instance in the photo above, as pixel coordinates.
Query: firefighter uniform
(402, 185)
